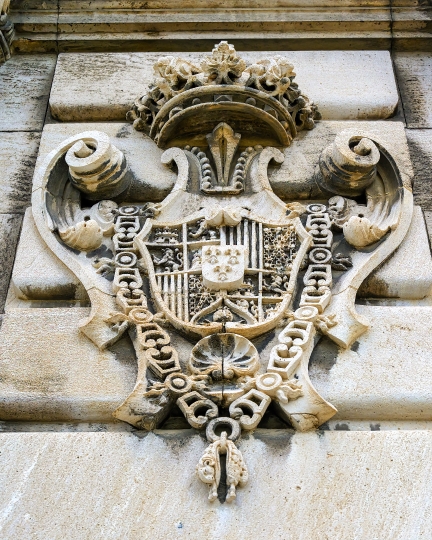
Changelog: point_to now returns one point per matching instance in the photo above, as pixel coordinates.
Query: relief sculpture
(222, 260)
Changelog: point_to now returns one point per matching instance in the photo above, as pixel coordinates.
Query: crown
(260, 101)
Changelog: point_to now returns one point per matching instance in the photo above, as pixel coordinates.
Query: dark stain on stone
(124, 132)
(140, 433)
(322, 428)
(355, 346)
(124, 351)
(421, 158)
(375, 427)
(324, 355)
(71, 249)
(262, 342)
(272, 420)
(176, 440)
(342, 427)
(277, 441)
(100, 252)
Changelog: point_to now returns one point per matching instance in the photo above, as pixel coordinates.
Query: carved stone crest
(222, 260)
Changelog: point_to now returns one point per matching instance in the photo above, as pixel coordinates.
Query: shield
(207, 277)
(223, 267)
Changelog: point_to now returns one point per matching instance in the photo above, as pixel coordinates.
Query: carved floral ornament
(219, 260)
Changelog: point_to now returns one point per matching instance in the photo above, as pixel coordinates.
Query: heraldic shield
(240, 277)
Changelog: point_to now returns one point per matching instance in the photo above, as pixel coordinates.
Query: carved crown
(260, 101)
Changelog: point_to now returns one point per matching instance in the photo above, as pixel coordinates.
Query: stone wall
(67, 469)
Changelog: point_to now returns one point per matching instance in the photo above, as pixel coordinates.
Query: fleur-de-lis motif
(223, 65)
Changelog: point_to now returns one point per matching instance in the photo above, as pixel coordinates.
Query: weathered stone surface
(188, 25)
(408, 272)
(428, 220)
(50, 371)
(41, 276)
(387, 372)
(25, 83)
(411, 28)
(413, 73)
(420, 147)
(295, 178)
(37, 273)
(17, 159)
(10, 225)
(347, 484)
(331, 79)
(59, 375)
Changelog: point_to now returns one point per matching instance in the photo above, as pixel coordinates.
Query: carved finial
(348, 166)
(224, 66)
(96, 167)
(223, 143)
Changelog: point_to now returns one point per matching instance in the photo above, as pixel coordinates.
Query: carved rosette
(222, 260)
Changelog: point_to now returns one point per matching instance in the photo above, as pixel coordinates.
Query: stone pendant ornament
(209, 467)
(222, 260)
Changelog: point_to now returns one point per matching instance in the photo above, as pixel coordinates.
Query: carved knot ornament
(222, 261)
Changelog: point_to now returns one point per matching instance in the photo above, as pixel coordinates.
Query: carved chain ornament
(222, 261)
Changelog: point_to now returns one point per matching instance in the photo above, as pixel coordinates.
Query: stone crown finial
(189, 100)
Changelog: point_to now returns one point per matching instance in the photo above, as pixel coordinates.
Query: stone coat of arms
(222, 261)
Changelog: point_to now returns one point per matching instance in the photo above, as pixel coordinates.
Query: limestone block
(420, 146)
(25, 83)
(157, 25)
(335, 485)
(413, 73)
(10, 225)
(387, 373)
(50, 371)
(344, 84)
(41, 276)
(37, 273)
(58, 375)
(17, 159)
(408, 272)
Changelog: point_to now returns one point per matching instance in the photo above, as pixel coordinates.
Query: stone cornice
(281, 24)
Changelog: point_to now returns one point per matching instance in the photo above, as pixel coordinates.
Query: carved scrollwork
(249, 409)
(198, 410)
